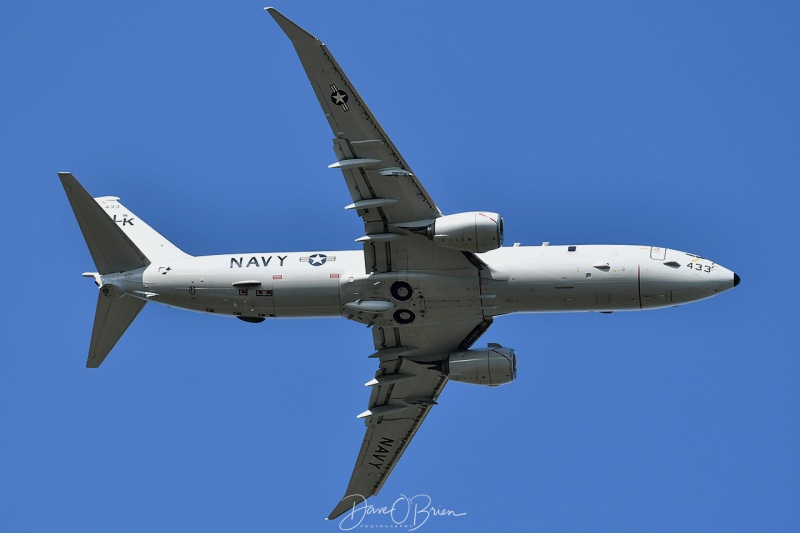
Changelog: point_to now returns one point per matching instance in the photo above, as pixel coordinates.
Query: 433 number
(699, 267)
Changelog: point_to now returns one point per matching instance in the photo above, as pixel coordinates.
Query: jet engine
(493, 366)
(477, 231)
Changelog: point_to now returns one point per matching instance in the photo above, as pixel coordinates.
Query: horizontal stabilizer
(111, 319)
(112, 250)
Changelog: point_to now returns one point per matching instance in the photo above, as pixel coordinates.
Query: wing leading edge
(406, 403)
(406, 386)
(361, 144)
(386, 193)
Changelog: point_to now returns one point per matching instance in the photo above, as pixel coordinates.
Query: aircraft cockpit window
(572, 248)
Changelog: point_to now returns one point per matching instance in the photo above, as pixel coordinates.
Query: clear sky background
(672, 124)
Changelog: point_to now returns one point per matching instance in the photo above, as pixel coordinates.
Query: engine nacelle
(491, 366)
(477, 231)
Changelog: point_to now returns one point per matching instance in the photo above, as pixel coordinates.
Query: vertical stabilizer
(152, 244)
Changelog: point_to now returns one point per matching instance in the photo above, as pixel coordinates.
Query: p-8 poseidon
(429, 285)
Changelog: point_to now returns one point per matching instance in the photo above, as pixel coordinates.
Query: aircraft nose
(736, 279)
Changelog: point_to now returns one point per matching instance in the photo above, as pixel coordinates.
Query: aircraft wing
(386, 194)
(404, 389)
(396, 209)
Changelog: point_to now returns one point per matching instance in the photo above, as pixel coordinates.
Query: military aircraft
(428, 284)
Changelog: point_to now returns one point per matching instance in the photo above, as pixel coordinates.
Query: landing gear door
(659, 254)
(261, 299)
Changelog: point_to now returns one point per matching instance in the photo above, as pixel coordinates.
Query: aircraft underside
(428, 284)
(597, 278)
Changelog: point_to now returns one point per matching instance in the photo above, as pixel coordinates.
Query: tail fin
(117, 239)
(118, 242)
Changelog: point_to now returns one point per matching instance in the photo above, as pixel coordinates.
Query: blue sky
(580, 122)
